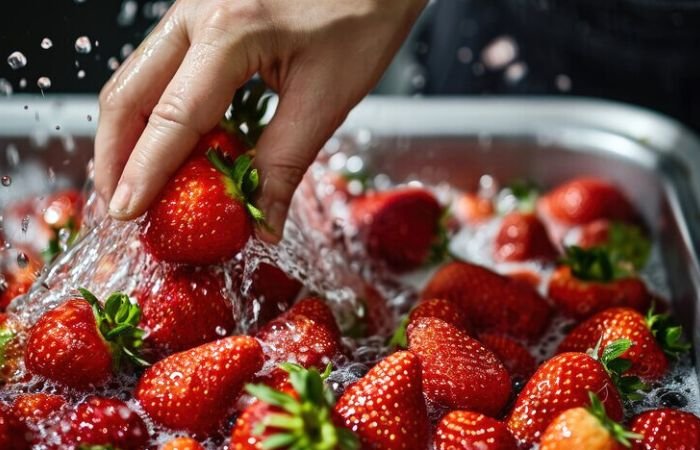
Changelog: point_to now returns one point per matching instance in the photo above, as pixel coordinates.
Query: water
(5, 87)
(43, 83)
(319, 251)
(17, 60)
(46, 43)
(83, 45)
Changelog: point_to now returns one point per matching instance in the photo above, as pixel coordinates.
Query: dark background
(644, 52)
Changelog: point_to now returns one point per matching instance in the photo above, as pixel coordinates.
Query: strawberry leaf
(248, 110)
(630, 387)
(305, 419)
(616, 430)
(592, 264)
(6, 336)
(440, 249)
(668, 334)
(399, 339)
(628, 248)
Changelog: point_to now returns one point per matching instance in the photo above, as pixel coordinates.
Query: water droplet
(221, 331)
(563, 83)
(51, 175)
(126, 50)
(17, 60)
(464, 55)
(46, 43)
(127, 13)
(25, 224)
(23, 83)
(81, 74)
(499, 53)
(26, 107)
(22, 260)
(64, 235)
(515, 72)
(5, 87)
(176, 375)
(58, 127)
(89, 118)
(12, 154)
(83, 45)
(79, 1)
(6, 180)
(43, 82)
(113, 63)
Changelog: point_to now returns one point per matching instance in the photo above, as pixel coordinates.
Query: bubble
(44, 83)
(58, 127)
(499, 53)
(17, 60)
(5, 87)
(46, 43)
(113, 63)
(22, 260)
(563, 83)
(83, 45)
(23, 83)
(89, 118)
(127, 13)
(515, 72)
(221, 331)
(81, 74)
(6, 180)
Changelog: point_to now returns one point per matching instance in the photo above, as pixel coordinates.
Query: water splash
(83, 45)
(46, 43)
(17, 60)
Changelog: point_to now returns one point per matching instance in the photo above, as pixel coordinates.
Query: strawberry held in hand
(652, 337)
(80, 344)
(586, 428)
(298, 417)
(466, 430)
(386, 408)
(194, 390)
(458, 372)
(400, 227)
(666, 429)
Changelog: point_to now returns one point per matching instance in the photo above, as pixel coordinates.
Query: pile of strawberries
(456, 373)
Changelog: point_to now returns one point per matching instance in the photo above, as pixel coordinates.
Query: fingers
(127, 99)
(305, 118)
(193, 102)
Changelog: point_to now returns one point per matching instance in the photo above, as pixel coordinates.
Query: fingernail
(119, 205)
(274, 216)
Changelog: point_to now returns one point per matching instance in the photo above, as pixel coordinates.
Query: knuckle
(288, 173)
(170, 112)
(227, 13)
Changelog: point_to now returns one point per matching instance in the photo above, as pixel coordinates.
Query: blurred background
(643, 52)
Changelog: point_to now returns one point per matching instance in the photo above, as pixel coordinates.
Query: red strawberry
(586, 428)
(19, 269)
(437, 308)
(646, 355)
(182, 443)
(585, 199)
(104, 421)
(222, 139)
(378, 317)
(526, 276)
(492, 302)
(79, 343)
(522, 237)
(62, 213)
(299, 416)
(590, 283)
(516, 359)
(594, 234)
(203, 215)
(14, 435)
(385, 408)
(34, 408)
(194, 390)
(465, 430)
(187, 309)
(472, 209)
(666, 429)
(458, 372)
(307, 334)
(274, 290)
(563, 382)
(400, 227)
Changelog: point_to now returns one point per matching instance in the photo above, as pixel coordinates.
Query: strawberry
(627, 246)
(458, 372)
(307, 334)
(274, 291)
(34, 408)
(472, 209)
(399, 227)
(521, 237)
(466, 430)
(517, 360)
(594, 234)
(203, 215)
(187, 309)
(666, 429)
(437, 308)
(19, 269)
(492, 302)
(182, 443)
(14, 435)
(385, 408)
(590, 282)
(10, 348)
(651, 337)
(80, 344)
(297, 417)
(586, 428)
(526, 276)
(563, 382)
(585, 199)
(194, 390)
(61, 212)
(376, 315)
(100, 421)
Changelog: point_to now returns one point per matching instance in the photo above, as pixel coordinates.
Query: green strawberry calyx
(668, 334)
(630, 387)
(57, 245)
(305, 421)
(525, 192)
(118, 323)
(399, 339)
(440, 249)
(246, 118)
(6, 336)
(241, 180)
(616, 430)
(593, 264)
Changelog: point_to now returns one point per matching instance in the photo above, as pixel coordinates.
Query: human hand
(321, 57)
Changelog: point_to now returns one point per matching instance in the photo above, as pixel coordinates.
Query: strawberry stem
(306, 422)
(118, 324)
(616, 430)
(668, 334)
